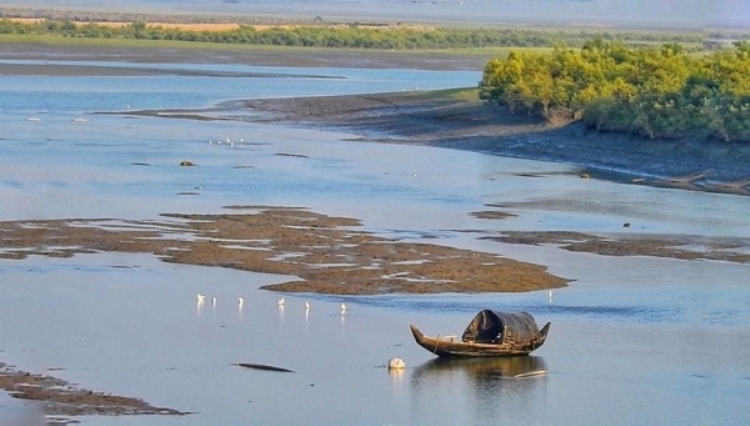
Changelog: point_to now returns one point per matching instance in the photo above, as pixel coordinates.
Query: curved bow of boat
(542, 335)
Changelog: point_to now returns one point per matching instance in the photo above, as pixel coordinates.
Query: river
(634, 340)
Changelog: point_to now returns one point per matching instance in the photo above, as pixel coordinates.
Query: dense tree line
(657, 92)
(351, 36)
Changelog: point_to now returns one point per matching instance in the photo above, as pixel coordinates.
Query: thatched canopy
(498, 327)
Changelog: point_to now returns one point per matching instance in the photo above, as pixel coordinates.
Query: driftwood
(263, 367)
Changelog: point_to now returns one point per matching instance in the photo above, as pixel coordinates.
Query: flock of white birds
(201, 299)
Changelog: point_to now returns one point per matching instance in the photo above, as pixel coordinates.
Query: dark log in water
(263, 367)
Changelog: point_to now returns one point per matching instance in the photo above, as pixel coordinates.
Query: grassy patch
(495, 51)
(51, 40)
(54, 40)
(467, 94)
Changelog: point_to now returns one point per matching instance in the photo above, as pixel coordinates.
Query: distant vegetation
(652, 83)
(656, 92)
(395, 37)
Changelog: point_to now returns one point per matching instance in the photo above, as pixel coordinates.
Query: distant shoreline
(428, 118)
(414, 12)
(145, 52)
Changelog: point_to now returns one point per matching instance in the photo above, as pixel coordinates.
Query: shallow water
(634, 340)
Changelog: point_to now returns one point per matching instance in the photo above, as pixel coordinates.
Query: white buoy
(307, 306)
(280, 302)
(396, 364)
(240, 301)
(213, 301)
(550, 295)
(343, 307)
(201, 298)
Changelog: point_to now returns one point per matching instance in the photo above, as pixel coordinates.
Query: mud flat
(429, 118)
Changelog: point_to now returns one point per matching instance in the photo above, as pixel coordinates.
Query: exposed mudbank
(65, 399)
(428, 119)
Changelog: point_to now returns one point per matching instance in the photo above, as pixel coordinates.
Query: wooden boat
(489, 334)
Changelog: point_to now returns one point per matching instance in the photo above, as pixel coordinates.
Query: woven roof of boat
(488, 327)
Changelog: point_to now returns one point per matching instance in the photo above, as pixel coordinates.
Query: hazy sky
(668, 13)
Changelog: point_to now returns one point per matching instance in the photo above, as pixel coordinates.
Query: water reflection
(484, 371)
(199, 307)
(397, 379)
(492, 388)
(281, 314)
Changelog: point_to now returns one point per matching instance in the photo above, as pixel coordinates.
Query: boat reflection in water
(480, 390)
(484, 369)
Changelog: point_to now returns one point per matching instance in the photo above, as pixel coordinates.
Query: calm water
(634, 340)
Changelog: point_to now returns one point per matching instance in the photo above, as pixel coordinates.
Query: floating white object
(307, 305)
(396, 364)
(213, 301)
(343, 308)
(33, 119)
(201, 298)
(280, 302)
(240, 301)
(79, 120)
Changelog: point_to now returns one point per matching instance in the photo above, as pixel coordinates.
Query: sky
(648, 13)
